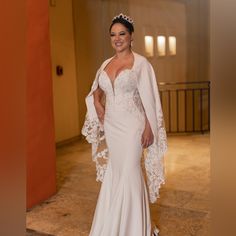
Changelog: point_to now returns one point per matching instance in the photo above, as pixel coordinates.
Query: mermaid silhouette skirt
(123, 206)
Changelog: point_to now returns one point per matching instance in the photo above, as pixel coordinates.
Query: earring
(131, 43)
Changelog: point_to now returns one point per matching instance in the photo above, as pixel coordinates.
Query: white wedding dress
(123, 205)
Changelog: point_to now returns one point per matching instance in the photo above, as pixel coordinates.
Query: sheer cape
(154, 154)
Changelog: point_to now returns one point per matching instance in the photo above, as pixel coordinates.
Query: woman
(130, 121)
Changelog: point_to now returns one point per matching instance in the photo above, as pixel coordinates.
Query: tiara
(124, 17)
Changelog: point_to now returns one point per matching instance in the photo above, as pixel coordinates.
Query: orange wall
(41, 164)
(12, 117)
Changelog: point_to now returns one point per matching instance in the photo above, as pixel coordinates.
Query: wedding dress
(123, 207)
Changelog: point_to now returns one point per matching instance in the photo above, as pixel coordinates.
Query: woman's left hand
(147, 136)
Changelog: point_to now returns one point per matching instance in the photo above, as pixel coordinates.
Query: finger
(149, 142)
(145, 143)
(142, 141)
(102, 119)
(101, 116)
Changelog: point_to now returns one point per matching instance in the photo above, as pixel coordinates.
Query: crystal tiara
(123, 16)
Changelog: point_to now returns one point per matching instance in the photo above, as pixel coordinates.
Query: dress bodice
(122, 93)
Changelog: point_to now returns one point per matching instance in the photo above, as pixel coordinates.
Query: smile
(118, 44)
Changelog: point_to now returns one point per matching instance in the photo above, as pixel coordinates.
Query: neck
(123, 54)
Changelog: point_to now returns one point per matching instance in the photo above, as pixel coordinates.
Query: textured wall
(41, 171)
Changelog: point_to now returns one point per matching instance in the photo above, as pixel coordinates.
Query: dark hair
(124, 22)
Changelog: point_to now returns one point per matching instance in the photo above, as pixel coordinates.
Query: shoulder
(141, 62)
(139, 58)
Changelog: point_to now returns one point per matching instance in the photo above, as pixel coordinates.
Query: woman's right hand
(100, 111)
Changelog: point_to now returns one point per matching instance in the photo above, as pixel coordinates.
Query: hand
(100, 111)
(147, 136)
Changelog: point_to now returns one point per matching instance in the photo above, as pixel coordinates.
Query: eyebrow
(123, 31)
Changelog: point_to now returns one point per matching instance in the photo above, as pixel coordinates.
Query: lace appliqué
(139, 106)
(94, 133)
(154, 162)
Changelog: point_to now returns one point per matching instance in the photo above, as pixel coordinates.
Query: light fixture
(172, 45)
(52, 3)
(161, 45)
(149, 46)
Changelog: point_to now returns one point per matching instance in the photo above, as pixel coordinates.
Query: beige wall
(111, 8)
(91, 23)
(162, 18)
(65, 86)
(197, 40)
(88, 47)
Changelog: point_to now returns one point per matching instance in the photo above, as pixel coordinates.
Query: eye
(112, 34)
(122, 33)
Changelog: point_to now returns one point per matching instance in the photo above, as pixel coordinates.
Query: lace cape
(149, 94)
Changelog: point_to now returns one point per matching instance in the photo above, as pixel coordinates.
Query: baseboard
(68, 141)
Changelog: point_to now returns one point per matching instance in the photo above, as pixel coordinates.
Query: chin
(121, 49)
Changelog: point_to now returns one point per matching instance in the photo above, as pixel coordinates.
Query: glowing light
(172, 45)
(161, 45)
(149, 46)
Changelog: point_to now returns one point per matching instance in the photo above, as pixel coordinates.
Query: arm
(97, 95)
(147, 136)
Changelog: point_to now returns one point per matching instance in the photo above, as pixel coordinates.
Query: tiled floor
(182, 210)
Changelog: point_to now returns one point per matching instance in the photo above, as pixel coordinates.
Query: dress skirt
(123, 205)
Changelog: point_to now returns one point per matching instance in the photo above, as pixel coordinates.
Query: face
(120, 37)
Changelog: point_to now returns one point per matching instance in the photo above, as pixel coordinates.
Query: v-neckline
(117, 76)
(112, 81)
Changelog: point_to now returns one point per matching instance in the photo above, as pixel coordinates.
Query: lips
(118, 44)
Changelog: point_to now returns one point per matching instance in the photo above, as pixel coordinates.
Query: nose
(117, 37)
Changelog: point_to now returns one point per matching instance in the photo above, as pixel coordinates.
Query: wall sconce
(172, 45)
(59, 70)
(52, 3)
(161, 45)
(149, 46)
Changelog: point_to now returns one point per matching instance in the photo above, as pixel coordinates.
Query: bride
(124, 118)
